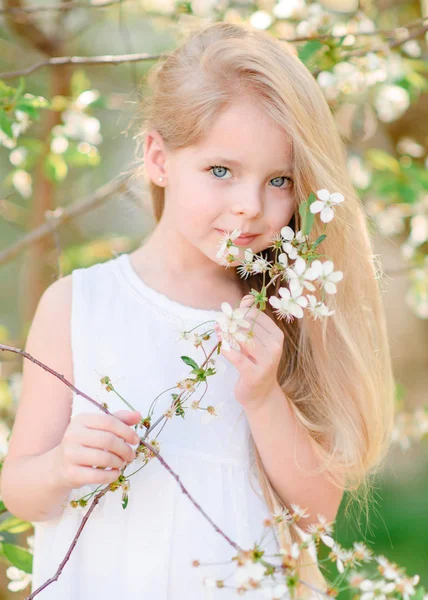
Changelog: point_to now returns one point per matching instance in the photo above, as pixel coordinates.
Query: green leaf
(307, 217)
(319, 240)
(6, 124)
(303, 210)
(190, 362)
(382, 160)
(55, 167)
(19, 557)
(420, 594)
(14, 525)
(309, 49)
(311, 199)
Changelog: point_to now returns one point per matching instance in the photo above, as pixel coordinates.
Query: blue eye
(211, 169)
(290, 181)
(218, 167)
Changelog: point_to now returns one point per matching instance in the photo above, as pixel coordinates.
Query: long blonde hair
(335, 372)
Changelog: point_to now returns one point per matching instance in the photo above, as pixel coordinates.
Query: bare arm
(275, 431)
(29, 487)
(50, 453)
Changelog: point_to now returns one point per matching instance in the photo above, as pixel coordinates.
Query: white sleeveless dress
(125, 329)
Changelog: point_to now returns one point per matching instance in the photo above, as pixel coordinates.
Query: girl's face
(239, 177)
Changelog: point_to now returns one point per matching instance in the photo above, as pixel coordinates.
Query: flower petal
(337, 197)
(287, 233)
(316, 206)
(327, 214)
(323, 194)
(330, 288)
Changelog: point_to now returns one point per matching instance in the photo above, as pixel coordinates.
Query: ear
(155, 158)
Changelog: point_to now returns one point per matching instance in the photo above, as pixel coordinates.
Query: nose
(249, 202)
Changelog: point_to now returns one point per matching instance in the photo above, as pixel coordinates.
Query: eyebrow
(236, 163)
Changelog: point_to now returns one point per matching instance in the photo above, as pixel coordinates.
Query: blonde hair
(335, 372)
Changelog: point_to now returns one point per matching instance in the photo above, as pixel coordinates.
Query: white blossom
(231, 321)
(391, 102)
(19, 579)
(326, 275)
(276, 592)
(318, 308)
(300, 276)
(290, 9)
(290, 304)
(260, 265)
(261, 19)
(387, 569)
(292, 241)
(250, 572)
(22, 182)
(326, 204)
(211, 413)
(412, 48)
(225, 248)
(375, 589)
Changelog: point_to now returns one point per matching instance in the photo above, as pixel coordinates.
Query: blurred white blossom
(391, 102)
(18, 156)
(290, 9)
(412, 48)
(261, 19)
(22, 182)
(19, 579)
(407, 145)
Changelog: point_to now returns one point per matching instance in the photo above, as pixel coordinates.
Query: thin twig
(124, 58)
(63, 214)
(57, 7)
(81, 60)
(28, 356)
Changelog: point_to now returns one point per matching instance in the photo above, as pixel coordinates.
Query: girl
(236, 134)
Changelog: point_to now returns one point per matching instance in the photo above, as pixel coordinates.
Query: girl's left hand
(258, 359)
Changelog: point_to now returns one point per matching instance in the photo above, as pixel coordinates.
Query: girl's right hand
(96, 440)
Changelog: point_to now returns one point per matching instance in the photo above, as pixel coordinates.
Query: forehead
(244, 133)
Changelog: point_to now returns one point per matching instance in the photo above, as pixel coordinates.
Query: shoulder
(56, 299)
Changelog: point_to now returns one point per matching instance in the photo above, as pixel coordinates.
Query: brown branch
(63, 214)
(57, 7)
(66, 558)
(384, 32)
(124, 58)
(98, 496)
(394, 44)
(81, 60)
(28, 356)
(96, 500)
(25, 27)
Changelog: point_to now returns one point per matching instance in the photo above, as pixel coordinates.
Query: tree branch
(124, 58)
(63, 214)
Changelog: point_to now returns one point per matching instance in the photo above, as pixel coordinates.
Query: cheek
(280, 214)
(197, 213)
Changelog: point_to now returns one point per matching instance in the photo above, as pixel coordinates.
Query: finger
(256, 315)
(239, 358)
(105, 440)
(263, 319)
(88, 457)
(80, 476)
(113, 424)
(128, 417)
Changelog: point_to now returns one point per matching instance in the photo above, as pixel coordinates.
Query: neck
(167, 251)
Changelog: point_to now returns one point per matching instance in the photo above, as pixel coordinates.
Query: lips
(242, 240)
(245, 240)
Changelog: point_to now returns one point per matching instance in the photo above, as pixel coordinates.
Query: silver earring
(161, 179)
